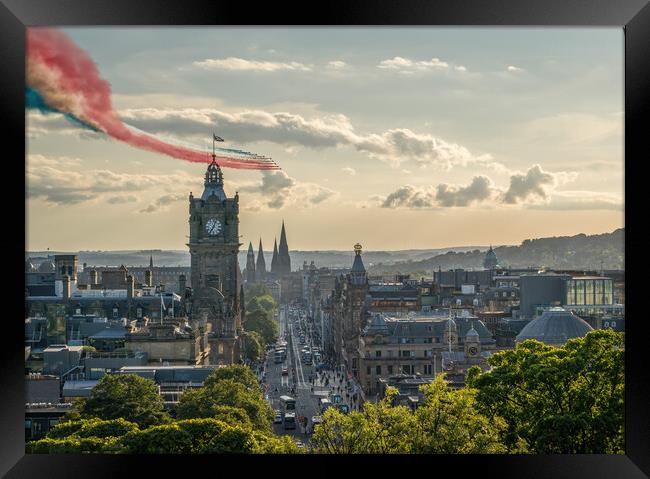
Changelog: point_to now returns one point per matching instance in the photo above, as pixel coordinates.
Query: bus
(290, 420)
(279, 356)
(287, 404)
(324, 404)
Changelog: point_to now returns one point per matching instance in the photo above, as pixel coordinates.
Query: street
(298, 383)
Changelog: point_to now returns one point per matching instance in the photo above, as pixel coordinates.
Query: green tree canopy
(447, 422)
(253, 346)
(92, 428)
(126, 396)
(566, 400)
(205, 402)
(237, 372)
(262, 323)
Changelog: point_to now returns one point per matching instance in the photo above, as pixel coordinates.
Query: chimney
(66, 287)
(148, 277)
(93, 276)
(181, 284)
(130, 286)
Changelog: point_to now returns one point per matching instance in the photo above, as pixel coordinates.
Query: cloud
(460, 68)
(478, 190)
(39, 124)
(533, 183)
(572, 129)
(392, 146)
(349, 171)
(58, 180)
(582, 200)
(116, 200)
(276, 190)
(409, 196)
(408, 65)
(514, 69)
(160, 203)
(240, 64)
(525, 189)
(336, 64)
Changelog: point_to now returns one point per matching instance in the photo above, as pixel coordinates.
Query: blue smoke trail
(34, 100)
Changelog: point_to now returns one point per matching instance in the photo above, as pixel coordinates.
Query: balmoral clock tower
(216, 278)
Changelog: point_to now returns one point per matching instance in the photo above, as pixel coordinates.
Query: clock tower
(216, 278)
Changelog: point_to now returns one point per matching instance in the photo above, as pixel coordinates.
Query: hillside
(561, 252)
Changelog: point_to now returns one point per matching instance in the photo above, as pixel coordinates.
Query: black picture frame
(631, 15)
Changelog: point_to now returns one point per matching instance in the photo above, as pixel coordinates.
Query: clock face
(473, 350)
(213, 227)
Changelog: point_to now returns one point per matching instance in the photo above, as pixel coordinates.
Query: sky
(396, 138)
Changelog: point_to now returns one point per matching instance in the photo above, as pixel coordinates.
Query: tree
(448, 422)
(253, 346)
(205, 402)
(127, 396)
(257, 289)
(92, 428)
(262, 323)
(237, 372)
(566, 400)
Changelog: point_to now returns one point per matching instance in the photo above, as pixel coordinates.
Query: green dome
(491, 261)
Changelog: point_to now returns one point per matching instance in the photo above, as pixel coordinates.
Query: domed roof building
(554, 327)
(472, 333)
(491, 261)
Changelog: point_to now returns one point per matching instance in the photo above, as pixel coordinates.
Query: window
(390, 369)
(613, 324)
(428, 369)
(378, 370)
(406, 354)
(389, 353)
(428, 354)
(368, 370)
(138, 312)
(428, 340)
(77, 311)
(378, 353)
(115, 312)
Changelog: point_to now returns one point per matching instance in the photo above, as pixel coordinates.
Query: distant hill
(567, 252)
(330, 258)
(589, 252)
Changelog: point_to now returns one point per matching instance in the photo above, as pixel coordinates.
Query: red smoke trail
(69, 80)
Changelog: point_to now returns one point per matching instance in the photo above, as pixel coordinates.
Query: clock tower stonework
(216, 278)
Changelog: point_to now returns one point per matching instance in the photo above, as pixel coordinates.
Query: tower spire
(260, 267)
(274, 260)
(284, 259)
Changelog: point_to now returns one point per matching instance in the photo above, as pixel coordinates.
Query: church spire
(283, 253)
(250, 264)
(151, 262)
(260, 267)
(274, 260)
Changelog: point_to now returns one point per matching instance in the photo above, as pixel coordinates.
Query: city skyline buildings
(451, 146)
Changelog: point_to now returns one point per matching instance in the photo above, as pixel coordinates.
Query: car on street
(278, 417)
(316, 420)
(285, 371)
